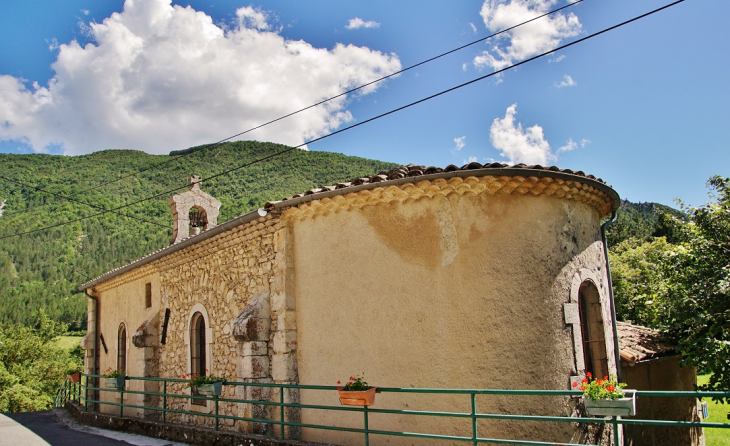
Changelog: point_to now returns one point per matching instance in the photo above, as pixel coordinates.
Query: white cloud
(557, 59)
(472, 159)
(527, 40)
(566, 82)
(519, 145)
(358, 23)
(459, 144)
(473, 27)
(570, 145)
(85, 11)
(249, 17)
(525, 145)
(161, 77)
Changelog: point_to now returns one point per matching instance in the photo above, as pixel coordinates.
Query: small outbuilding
(484, 276)
(648, 362)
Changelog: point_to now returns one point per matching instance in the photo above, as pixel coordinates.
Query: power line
(77, 201)
(208, 146)
(605, 30)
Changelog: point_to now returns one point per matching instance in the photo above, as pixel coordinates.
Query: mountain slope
(43, 269)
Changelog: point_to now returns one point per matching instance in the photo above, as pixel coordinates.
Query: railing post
(121, 402)
(216, 411)
(615, 431)
(164, 401)
(281, 411)
(367, 433)
(86, 395)
(474, 419)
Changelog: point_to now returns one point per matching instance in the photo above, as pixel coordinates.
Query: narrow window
(591, 322)
(197, 350)
(148, 295)
(122, 348)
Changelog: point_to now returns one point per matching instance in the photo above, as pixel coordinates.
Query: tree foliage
(32, 365)
(637, 281)
(696, 298)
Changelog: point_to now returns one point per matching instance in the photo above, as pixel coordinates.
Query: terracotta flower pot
(618, 407)
(75, 377)
(213, 389)
(357, 397)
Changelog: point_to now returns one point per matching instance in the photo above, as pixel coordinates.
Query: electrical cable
(605, 30)
(77, 201)
(208, 146)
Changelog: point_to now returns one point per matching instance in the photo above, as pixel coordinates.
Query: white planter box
(622, 407)
(114, 383)
(213, 389)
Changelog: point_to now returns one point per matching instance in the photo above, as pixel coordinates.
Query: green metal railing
(81, 394)
(69, 391)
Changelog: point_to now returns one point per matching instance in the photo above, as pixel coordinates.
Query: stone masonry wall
(221, 276)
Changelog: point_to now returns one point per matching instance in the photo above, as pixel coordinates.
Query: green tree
(637, 281)
(696, 307)
(32, 365)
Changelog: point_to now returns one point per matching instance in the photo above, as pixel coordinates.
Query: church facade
(485, 276)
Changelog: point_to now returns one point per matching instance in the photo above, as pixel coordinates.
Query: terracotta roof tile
(412, 170)
(641, 343)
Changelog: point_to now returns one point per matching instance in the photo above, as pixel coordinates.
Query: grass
(718, 414)
(68, 342)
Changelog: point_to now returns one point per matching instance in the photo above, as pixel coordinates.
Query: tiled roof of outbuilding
(639, 343)
(412, 170)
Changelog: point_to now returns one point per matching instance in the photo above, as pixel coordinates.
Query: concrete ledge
(175, 432)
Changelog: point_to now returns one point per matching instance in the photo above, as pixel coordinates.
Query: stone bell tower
(192, 210)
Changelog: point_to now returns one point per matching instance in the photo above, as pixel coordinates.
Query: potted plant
(206, 385)
(114, 379)
(74, 373)
(606, 397)
(356, 392)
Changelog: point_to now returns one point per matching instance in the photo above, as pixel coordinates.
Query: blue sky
(645, 107)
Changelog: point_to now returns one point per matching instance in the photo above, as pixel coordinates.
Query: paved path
(56, 428)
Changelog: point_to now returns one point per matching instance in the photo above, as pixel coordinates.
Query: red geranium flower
(575, 384)
(589, 374)
(610, 388)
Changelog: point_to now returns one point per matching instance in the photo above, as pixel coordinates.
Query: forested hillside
(642, 221)
(43, 269)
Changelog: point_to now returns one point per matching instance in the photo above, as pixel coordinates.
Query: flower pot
(75, 377)
(114, 383)
(357, 397)
(213, 389)
(618, 407)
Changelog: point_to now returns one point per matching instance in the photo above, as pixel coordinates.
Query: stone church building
(484, 276)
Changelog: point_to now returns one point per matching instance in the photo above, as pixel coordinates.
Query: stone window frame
(127, 342)
(590, 320)
(199, 308)
(121, 325)
(571, 313)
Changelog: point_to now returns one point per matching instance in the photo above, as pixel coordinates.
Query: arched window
(197, 344)
(591, 323)
(122, 347)
(197, 350)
